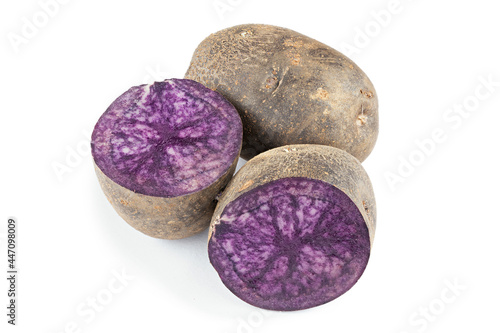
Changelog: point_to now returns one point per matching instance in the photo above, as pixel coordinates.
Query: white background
(438, 223)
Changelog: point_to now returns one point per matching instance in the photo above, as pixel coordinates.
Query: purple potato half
(294, 227)
(163, 152)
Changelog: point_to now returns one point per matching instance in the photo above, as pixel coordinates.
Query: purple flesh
(167, 139)
(290, 244)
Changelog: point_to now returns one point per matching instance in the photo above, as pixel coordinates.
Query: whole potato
(289, 89)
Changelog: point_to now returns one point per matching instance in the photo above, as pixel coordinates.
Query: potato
(294, 227)
(162, 154)
(288, 89)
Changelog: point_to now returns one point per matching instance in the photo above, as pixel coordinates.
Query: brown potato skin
(166, 218)
(289, 89)
(324, 163)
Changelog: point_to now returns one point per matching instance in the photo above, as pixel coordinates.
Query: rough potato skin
(166, 218)
(324, 163)
(289, 89)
